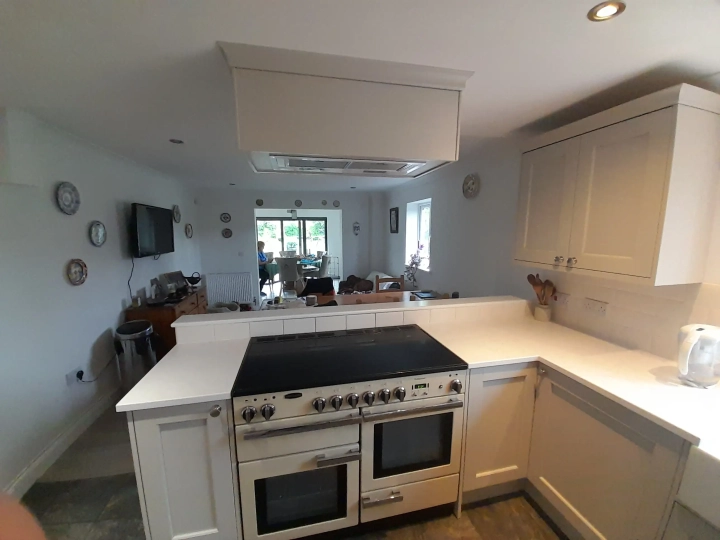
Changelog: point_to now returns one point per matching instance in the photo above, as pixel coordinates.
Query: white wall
(469, 238)
(47, 326)
(334, 230)
(238, 253)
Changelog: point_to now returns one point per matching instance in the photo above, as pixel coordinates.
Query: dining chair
(399, 280)
(287, 271)
(320, 272)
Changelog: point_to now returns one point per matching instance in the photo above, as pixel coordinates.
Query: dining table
(304, 266)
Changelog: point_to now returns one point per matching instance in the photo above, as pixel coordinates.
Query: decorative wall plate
(188, 230)
(227, 233)
(471, 186)
(298, 203)
(98, 234)
(225, 217)
(323, 202)
(76, 271)
(336, 203)
(259, 202)
(177, 216)
(68, 198)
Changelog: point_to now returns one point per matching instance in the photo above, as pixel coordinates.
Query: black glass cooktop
(297, 361)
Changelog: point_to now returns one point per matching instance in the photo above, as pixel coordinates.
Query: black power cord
(80, 373)
(131, 274)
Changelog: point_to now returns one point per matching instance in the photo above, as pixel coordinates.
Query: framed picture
(394, 213)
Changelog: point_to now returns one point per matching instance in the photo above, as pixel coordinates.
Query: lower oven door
(301, 494)
(410, 442)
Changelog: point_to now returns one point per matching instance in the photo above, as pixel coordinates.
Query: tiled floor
(92, 509)
(108, 509)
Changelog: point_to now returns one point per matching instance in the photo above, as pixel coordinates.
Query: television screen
(151, 231)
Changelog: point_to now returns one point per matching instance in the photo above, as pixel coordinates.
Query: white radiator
(236, 287)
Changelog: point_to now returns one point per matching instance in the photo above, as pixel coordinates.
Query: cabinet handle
(395, 497)
(572, 260)
(559, 259)
(215, 411)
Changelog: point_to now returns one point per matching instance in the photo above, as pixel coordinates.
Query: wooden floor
(508, 519)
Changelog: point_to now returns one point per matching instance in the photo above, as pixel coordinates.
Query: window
(418, 231)
(303, 235)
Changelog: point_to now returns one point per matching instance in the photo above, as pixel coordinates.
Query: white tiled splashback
(480, 312)
(637, 316)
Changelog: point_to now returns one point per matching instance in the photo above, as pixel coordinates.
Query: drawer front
(202, 296)
(394, 501)
(282, 445)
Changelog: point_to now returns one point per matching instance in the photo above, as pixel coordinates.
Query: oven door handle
(323, 461)
(301, 429)
(372, 416)
(395, 497)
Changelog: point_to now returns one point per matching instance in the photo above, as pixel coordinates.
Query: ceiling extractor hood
(300, 112)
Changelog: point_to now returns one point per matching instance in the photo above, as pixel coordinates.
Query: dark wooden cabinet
(162, 317)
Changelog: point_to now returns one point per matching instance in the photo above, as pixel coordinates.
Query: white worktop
(642, 382)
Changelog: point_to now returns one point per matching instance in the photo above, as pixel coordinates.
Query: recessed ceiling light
(606, 11)
(177, 141)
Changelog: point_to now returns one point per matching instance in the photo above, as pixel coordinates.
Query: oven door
(301, 494)
(411, 441)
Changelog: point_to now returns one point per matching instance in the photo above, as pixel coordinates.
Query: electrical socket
(563, 299)
(71, 376)
(596, 307)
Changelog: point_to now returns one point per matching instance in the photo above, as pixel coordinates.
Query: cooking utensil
(537, 285)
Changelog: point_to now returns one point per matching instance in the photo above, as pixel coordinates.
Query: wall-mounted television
(151, 231)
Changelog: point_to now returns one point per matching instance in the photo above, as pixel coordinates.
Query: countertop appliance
(301, 403)
(699, 355)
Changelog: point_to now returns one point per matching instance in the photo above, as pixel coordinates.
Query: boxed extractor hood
(301, 112)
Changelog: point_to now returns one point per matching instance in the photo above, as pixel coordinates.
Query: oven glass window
(413, 444)
(298, 499)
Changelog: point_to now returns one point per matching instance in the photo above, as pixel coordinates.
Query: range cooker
(337, 428)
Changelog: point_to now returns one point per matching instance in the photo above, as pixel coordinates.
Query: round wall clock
(76, 271)
(68, 198)
(227, 233)
(471, 186)
(98, 234)
(225, 217)
(176, 214)
(336, 203)
(188, 230)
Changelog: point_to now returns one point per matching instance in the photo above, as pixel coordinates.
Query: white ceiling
(130, 74)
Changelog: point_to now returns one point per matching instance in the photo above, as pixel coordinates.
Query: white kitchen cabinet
(624, 197)
(685, 525)
(611, 473)
(499, 422)
(184, 466)
(545, 207)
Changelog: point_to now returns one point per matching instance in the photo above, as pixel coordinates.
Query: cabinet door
(619, 199)
(545, 204)
(499, 421)
(187, 472)
(609, 472)
(684, 525)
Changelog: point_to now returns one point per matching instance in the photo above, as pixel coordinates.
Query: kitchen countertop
(640, 381)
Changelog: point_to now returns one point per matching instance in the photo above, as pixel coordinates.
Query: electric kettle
(699, 355)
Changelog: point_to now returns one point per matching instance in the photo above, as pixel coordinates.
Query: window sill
(426, 270)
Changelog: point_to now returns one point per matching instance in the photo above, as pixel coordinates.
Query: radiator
(236, 287)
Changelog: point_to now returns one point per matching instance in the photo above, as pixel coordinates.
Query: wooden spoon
(548, 291)
(537, 285)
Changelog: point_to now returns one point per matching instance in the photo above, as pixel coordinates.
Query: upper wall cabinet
(628, 193)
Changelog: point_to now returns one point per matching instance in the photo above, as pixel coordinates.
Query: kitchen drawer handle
(455, 404)
(323, 461)
(301, 429)
(215, 411)
(394, 497)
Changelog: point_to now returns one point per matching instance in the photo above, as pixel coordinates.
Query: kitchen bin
(136, 354)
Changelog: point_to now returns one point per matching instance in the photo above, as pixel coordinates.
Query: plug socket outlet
(71, 376)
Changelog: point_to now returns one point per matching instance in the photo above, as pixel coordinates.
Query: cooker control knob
(456, 386)
(248, 413)
(384, 395)
(267, 411)
(400, 393)
(336, 402)
(319, 404)
(369, 397)
(352, 400)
